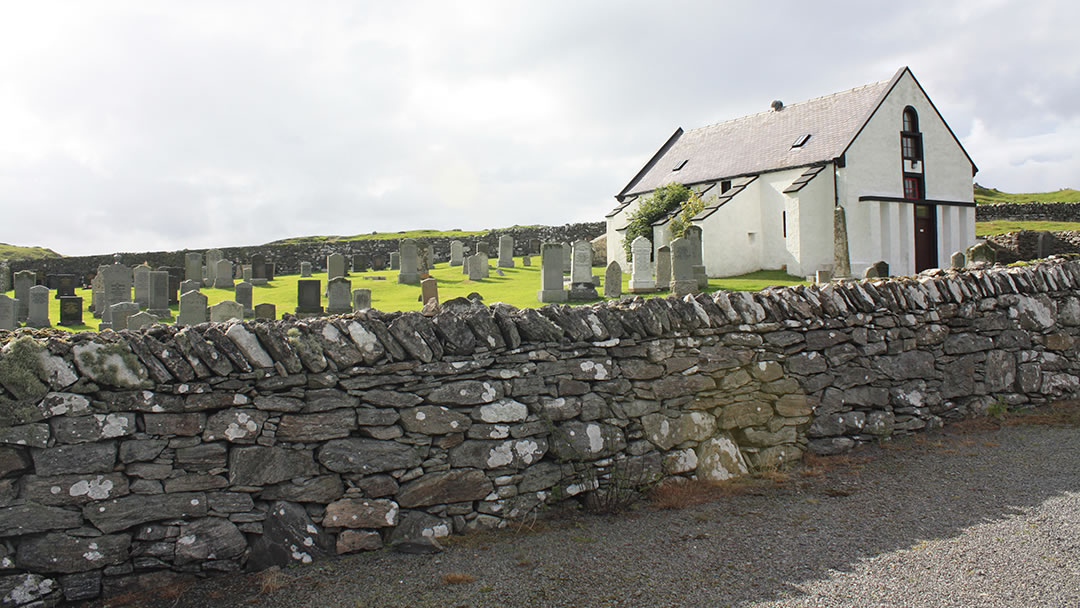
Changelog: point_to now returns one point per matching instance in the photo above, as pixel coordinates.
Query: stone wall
(1054, 212)
(132, 456)
(1033, 245)
(287, 257)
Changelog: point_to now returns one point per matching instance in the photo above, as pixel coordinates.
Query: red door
(925, 238)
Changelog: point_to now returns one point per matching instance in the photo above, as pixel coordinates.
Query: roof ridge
(798, 103)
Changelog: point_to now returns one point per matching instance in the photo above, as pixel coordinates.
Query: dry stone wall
(1053, 212)
(139, 455)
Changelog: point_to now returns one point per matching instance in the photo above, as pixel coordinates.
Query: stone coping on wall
(126, 456)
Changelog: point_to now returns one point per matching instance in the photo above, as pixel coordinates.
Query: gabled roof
(764, 142)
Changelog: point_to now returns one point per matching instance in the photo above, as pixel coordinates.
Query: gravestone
(238, 271)
(378, 261)
(223, 274)
(335, 266)
(158, 294)
(582, 286)
(193, 266)
(309, 297)
(265, 311)
(360, 262)
(551, 274)
(425, 255)
(613, 281)
(243, 296)
(305, 269)
(142, 285)
(483, 264)
(457, 249)
(259, 274)
(212, 258)
(176, 275)
(957, 260)
(693, 234)
(117, 315)
(65, 285)
(97, 285)
(70, 311)
(879, 269)
(141, 320)
(116, 285)
(246, 273)
(534, 247)
(271, 268)
(567, 253)
(187, 286)
(226, 310)
(823, 276)
(526, 260)
(979, 254)
(429, 288)
(192, 308)
(24, 280)
(663, 268)
(482, 247)
(683, 281)
(339, 296)
(8, 312)
(395, 260)
(472, 266)
(361, 299)
(506, 252)
(38, 313)
(5, 277)
(407, 257)
(641, 276)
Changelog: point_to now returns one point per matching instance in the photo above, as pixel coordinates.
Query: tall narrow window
(912, 187)
(783, 219)
(910, 137)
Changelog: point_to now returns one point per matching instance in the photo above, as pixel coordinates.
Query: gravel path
(982, 518)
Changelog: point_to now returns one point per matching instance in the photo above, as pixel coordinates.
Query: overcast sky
(136, 126)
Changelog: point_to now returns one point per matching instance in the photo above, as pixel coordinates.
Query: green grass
(518, 287)
(1004, 226)
(993, 195)
(15, 252)
(383, 236)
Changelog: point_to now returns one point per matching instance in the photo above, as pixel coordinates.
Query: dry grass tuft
(271, 579)
(457, 578)
(817, 466)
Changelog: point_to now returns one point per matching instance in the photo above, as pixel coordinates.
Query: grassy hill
(15, 252)
(378, 236)
(993, 195)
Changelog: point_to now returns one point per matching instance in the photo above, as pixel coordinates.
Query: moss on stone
(97, 365)
(20, 369)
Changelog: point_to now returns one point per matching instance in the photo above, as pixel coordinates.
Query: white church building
(772, 181)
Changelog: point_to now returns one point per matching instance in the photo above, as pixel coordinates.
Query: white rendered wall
(615, 223)
(812, 230)
(731, 236)
(874, 167)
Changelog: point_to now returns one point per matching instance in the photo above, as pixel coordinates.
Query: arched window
(910, 138)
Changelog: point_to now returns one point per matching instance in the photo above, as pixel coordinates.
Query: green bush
(661, 202)
(687, 210)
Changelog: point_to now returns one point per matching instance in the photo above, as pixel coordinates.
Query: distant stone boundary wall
(287, 257)
(1054, 212)
(1033, 245)
(127, 459)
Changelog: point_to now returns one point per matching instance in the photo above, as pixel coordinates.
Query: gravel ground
(950, 518)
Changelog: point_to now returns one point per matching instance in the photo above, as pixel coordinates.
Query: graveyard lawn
(518, 287)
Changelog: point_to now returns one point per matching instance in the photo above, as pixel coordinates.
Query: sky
(145, 126)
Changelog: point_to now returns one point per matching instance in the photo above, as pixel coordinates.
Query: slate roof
(763, 142)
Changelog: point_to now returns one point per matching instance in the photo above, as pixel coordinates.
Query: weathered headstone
(841, 253)
(683, 281)
(407, 254)
(212, 258)
(238, 271)
(193, 266)
(246, 273)
(142, 285)
(309, 297)
(526, 260)
(24, 280)
(613, 281)
(474, 266)
(187, 286)
(5, 276)
(226, 310)
(244, 297)
(958, 260)
(223, 275)
(483, 263)
(158, 294)
(97, 287)
(823, 276)
(271, 268)
(117, 315)
(8, 312)
(395, 260)
(305, 269)
(979, 254)
(641, 269)
(693, 234)
(141, 320)
(192, 308)
(568, 259)
(339, 296)
(360, 262)
(65, 285)
(534, 247)
(378, 261)
(506, 252)
(425, 259)
(265, 311)
(176, 275)
(259, 274)
(663, 268)
(335, 266)
(482, 247)
(551, 274)
(429, 288)
(38, 314)
(457, 249)
(877, 269)
(116, 285)
(361, 299)
(582, 286)
(71, 310)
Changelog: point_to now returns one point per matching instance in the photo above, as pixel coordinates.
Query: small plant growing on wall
(661, 202)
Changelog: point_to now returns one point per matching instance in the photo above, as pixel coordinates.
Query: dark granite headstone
(378, 261)
(258, 266)
(65, 285)
(71, 310)
(360, 262)
(176, 275)
(270, 269)
(309, 297)
(534, 247)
